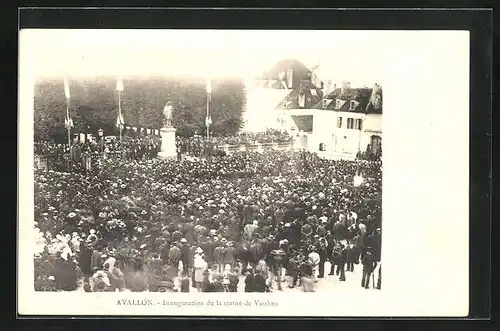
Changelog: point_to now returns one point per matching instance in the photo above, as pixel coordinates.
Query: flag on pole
(66, 87)
(119, 83)
(120, 121)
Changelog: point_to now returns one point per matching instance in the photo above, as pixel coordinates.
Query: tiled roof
(365, 100)
(310, 98)
(303, 122)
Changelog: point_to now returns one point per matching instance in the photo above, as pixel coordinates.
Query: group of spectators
(84, 154)
(246, 221)
(249, 138)
(199, 146)
(369, 155)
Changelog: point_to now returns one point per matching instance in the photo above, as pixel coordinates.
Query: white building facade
(334, 122)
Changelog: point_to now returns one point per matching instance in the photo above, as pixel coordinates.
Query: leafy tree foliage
(94, 105)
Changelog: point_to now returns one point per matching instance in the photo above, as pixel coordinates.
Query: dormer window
(338, 104)
(325, 103)
(352, 105)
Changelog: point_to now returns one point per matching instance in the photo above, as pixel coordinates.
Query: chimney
(327, 85)
(345, 86)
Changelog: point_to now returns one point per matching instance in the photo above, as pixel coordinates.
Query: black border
(478, 22)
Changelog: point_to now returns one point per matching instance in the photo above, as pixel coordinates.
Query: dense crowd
(368, 155)
(245, 221)
(46, 148)
(140, 147)
(133, 145)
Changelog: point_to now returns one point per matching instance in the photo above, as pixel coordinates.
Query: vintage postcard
(225, 173)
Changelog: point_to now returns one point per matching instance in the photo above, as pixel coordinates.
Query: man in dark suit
(369, 265)
(323, 257)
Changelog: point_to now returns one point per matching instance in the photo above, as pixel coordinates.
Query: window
(325, 103)
(350, 123)
(339, 122)
(352, 105)
(338, 104)
(358, 124)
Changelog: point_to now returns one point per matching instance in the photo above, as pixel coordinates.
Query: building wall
(342, 140)
(260, 112)
(372, 126)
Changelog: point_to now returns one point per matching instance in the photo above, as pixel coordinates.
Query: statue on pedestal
(167, 133)
(167, 114)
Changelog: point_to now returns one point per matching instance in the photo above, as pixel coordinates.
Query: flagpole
(207, 120)
(120, 114)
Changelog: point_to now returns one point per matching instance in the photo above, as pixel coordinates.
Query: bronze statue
(167, 113)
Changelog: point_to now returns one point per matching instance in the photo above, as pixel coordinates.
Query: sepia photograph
(209, 180)
(190, 161)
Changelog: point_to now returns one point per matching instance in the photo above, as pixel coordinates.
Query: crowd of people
(148, 146)
(248, 221)
(84, 154)
(369, 155)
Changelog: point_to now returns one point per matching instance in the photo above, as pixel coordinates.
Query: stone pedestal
(168, 148)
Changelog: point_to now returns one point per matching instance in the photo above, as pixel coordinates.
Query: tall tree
(95, 105)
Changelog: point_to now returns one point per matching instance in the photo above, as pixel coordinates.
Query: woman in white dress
(200, 265)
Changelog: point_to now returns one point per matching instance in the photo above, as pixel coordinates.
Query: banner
(68, 122)
(119, 84)
(66, 87)
(120, 121)
(209, 86)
